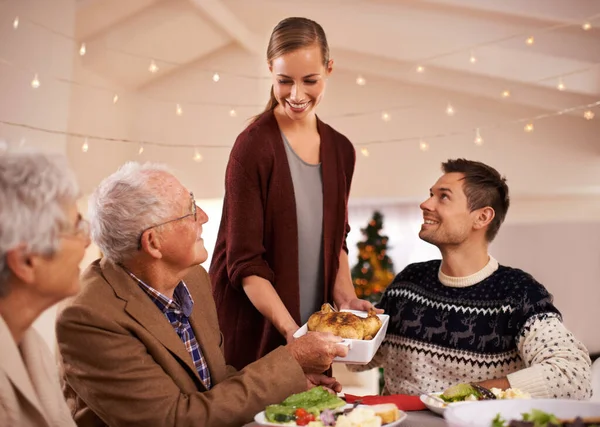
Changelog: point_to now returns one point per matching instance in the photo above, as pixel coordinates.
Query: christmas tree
(374, 270)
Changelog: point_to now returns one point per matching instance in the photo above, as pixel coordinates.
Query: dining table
(424, 418)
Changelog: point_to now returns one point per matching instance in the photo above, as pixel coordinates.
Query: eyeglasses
(80, 230)
(193, 201)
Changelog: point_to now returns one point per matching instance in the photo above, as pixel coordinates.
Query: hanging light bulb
(115, 98)
(505, 93)
(529, 127)
(85, 146)
(450, 110)
(385, 117)
(35, 83)
(588, 115)
(141, 149)
(586, 26)
(420, 69)
(153, 68)
(197, 156)
(472, 59)
(178, 110)
(360, 80)
(365, 151)
(530, 40)
(423, 146)
(216, 77)
(16, 22)
(478, 138)
(560, 85)
(232, 113)
(82, 49)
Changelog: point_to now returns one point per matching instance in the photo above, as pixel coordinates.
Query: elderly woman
(42, 241)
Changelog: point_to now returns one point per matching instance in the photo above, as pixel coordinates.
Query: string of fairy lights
(419, 67)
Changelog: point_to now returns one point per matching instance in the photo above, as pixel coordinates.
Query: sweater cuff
(260, 269)
(530, 380)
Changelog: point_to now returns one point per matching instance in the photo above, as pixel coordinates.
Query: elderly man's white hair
(123, 205)
(35, 189)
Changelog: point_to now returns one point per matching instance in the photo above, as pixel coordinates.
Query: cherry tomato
(302, 421)
(300, 412)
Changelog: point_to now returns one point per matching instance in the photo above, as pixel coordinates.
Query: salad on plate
(470, 392)
(463, 392)
(319, 408)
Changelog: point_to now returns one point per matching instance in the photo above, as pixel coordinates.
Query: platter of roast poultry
(362, 332)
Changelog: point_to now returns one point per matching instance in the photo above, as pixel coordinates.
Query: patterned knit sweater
(496, 323)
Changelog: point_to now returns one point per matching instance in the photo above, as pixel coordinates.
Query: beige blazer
(30, 393)
(124, 365)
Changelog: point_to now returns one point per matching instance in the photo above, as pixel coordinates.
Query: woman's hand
(289, 335)
(344, 294)
(359, 304)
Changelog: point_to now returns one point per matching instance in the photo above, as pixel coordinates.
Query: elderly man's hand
(331, 383)
(316, 350)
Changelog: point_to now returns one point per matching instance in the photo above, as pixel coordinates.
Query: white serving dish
(360, 352)
(261, 419)
(481, 413)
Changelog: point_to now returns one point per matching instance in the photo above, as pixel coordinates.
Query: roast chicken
(344, 324)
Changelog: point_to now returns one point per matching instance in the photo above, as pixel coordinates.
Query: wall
(93, 113)
(564, 257)
(29, 50)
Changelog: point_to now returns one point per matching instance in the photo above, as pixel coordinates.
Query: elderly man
(42, 241)
(467, 318)
(141, 344)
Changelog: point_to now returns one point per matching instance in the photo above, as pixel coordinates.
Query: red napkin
(404, 402)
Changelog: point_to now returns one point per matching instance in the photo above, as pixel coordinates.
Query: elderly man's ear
(21, 264)
(151, 243)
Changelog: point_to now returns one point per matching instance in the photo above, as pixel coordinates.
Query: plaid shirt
(178, 311)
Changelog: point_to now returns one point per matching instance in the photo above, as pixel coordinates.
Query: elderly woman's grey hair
(35, 190)
(123, 205)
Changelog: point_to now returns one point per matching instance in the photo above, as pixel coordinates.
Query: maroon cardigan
(259, 232)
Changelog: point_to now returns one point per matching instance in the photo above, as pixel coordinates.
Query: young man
(468, 319)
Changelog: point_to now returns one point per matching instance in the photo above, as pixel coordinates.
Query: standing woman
(281, 247)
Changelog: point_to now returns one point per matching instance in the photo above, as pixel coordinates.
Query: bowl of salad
(524, 413)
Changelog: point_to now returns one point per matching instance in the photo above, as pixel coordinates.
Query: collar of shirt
(182, 301)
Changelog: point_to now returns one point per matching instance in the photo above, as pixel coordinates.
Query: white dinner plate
(434, 405)
(262, 420)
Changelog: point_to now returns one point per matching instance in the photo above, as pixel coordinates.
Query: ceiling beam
(525, 95)
(550, 11)
(229, 23)
(95, 18)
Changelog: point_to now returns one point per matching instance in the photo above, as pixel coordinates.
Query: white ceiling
(383, 38)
